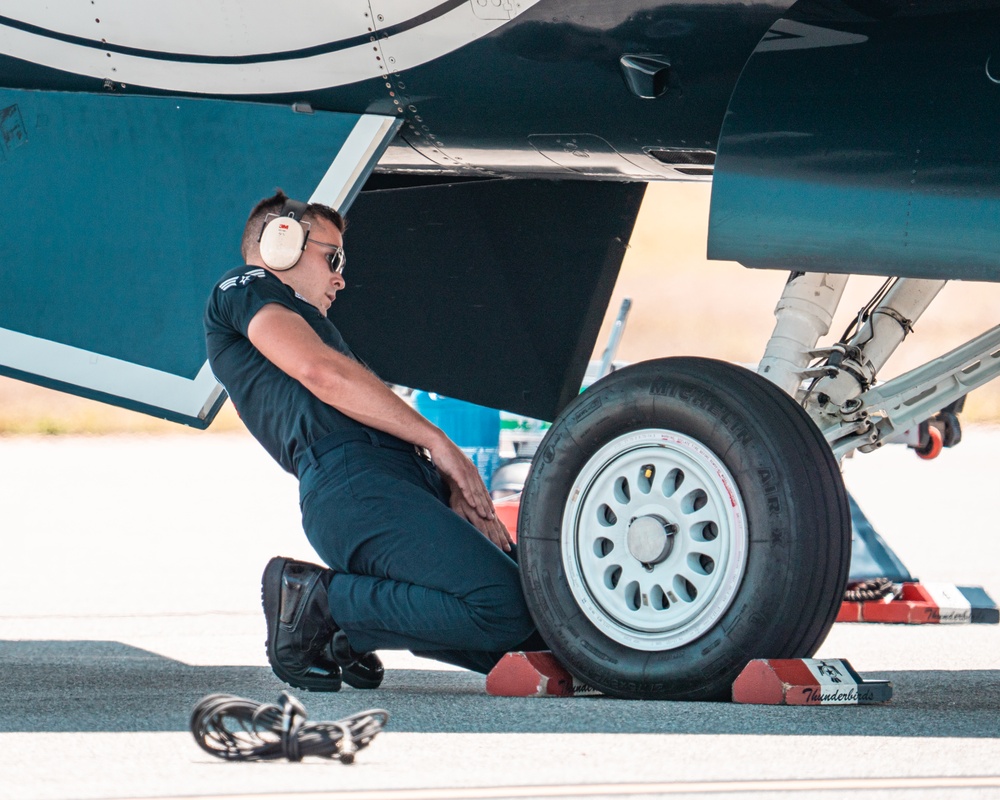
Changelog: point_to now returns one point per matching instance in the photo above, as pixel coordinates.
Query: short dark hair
(272, 205)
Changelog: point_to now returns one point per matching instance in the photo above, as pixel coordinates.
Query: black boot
(299, 624)
(361, 670)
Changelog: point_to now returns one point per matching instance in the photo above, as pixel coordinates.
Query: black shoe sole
(363, 677)
(270, 597)
(362, 672)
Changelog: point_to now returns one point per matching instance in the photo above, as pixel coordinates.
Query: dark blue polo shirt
(284, 416)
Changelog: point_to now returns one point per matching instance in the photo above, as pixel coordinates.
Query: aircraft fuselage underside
(536, 88)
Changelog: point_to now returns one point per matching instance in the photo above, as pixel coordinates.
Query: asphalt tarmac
(129, 589)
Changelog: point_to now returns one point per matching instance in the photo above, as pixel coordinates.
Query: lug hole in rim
(694, 501)
(623, 494)
(707, 532)
(612, 576)
(684, 589)
(647, 473)
(672, 482)
(633, 596)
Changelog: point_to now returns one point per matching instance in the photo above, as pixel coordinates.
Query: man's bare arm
(287, 341)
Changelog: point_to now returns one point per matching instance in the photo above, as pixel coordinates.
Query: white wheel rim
(654, 561)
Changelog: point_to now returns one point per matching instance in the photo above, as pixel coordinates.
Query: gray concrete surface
(129, 588)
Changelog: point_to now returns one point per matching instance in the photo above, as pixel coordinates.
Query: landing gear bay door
(861, 138)
(124, 210)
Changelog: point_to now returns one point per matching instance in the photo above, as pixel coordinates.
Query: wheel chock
(923, 603)
(537, 674)
(807, 682)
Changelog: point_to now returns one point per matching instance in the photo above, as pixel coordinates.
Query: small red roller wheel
(934, 446)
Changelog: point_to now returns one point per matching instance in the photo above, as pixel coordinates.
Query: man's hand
(469, 498)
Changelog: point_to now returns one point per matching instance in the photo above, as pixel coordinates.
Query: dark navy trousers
(409, 573)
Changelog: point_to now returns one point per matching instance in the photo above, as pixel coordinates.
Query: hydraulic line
(882, 328)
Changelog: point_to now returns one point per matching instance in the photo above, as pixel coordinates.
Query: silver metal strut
(867, 421)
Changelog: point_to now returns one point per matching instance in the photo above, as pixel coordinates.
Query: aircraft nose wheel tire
(682, 517)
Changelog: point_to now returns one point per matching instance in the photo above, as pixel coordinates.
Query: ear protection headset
(284, 236)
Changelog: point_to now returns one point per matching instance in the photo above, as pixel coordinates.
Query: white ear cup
(282, 242)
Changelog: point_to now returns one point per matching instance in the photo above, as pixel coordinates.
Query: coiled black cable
(238, 729)
(874, 589)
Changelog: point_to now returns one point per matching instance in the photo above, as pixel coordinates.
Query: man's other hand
(469, 497)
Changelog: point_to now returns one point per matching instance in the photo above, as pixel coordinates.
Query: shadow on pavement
(55, 686)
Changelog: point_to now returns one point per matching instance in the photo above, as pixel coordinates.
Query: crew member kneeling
(417, 557)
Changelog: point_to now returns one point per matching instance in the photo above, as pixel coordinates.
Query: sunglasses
(336, 259)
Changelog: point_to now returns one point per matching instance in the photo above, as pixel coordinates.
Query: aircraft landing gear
(682, 517)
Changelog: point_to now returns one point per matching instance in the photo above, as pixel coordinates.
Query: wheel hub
(654, 539)
(650, 539)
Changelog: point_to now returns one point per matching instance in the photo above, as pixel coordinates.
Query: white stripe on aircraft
(230, 29)
(354, 161)
(192, 398)
(111, 376)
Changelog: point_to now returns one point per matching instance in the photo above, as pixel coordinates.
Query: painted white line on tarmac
(625, 789)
